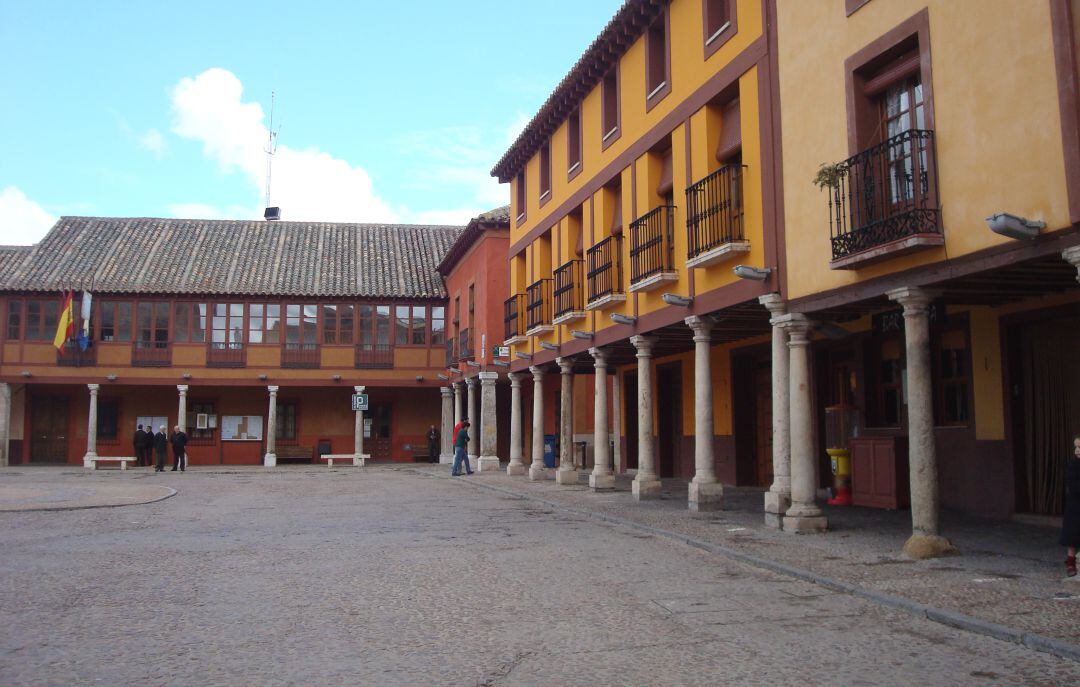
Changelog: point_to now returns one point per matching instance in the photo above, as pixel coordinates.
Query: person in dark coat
(1070, 523)
(179, 441)
(139, 444)
(433, 445)
(461, 443)
(161, 448)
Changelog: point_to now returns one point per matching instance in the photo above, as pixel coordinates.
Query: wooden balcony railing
(71, 356)
(569, 290)
(151, 354)
(604, 268)
(714, 210)
(652, 243)
(226, 354)
(885, 194)
(513, 319)
(374, 356)
(538, 304)
(304, 356)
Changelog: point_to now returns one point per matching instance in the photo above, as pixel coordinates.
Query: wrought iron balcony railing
(603, 262)
(714, 210)
(226, 354)
(885, 194)
(300, 356)
(465, 345)
(569, 290)
(538, 297)
(373, 356)
(513, 316)
(71, 356)
(652, 243)
(450, 358)
(151, 354)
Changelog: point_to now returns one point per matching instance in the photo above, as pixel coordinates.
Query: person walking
(161, 448)
(1070, 523)
(433, 445)
(139, 444)
(461, 442)
(179, 441)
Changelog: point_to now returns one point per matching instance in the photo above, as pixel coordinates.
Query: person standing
(139, 444)
(179, 441)
(1070, 523)
(433, 445)
(161, 448)
(461, 442)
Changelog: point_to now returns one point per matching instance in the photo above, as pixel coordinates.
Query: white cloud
(153, 141)
(308, 184)
(22, 221)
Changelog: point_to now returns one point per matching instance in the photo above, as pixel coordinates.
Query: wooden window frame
(153, 304)
(280, 435)
(939, 381)
(332, 331)
(520, 197)
(609, 99)
(852, 6)
(574, 146)
(101, 307)
(545, 172)
(658, 48)
(20, 315)
(718, 29)
(431, 326)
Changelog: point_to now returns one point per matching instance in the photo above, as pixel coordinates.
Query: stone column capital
(600, 357)
(446, 391)
(471, 381)
(273, 389)
(537, 373)
(774, 303)
(916, 300)
(797, 326)
(643, 344)
(1071, 255)
(487, 378)
(701, 326)
(182, 388)
(515, 379)
(93, 388)
(566, 366)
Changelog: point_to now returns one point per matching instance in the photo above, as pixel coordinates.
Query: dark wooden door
(763, 436)
(49, 417)
(669, 420)
(629, 391)
(379, 444)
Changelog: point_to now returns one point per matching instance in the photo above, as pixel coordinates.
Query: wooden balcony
(569, 292)
(714, 217)
(300, 356)
(538, 306)
(652, 249)
(514, 308)
(71, 356)
(226, 354)
(151, 354)
(884, 202)
(374, 356)
(603, 264)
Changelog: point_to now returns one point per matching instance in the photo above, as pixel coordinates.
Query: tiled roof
(147, 255)
(499, 218)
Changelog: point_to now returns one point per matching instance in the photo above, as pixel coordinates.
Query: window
(609, 115)
(887, 394)
(657, 67)
(573, 144)
(115, 321)
(419, 325)
(152, 323)
(285, 429)
(545, 172)
(194, 411)
(264, 323)
(227, 325)
(301, 324)
(374, 325)
(108, 419)
(14, 319)
(519, 196)
(42, 317)
(719, 23)
(402, 325)
(190, 323)
(338, 324)
(951, 368)
(438, 325)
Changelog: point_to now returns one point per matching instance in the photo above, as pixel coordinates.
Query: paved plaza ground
(401, 576)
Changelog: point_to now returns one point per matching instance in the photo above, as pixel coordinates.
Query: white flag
(86, 302)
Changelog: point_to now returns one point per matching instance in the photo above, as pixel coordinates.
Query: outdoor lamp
(1014, 227)
(755, 273)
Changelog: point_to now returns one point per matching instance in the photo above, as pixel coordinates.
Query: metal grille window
(568, 288)
(652, 243)
(715, 210)
(539, 303)
(604, 272)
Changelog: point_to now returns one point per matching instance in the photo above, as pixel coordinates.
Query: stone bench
(123, 460)
(341, 457)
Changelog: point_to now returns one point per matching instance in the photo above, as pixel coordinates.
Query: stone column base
(87, 458)
(776, 504)
(774, 521)
(538, 473)
(601, 482)
(705, 496)
(446, 459)
(921, 546)
(805, 524)
(513, 470)
(568, 476)
(488, 464)
(645, 489)
(270, 460)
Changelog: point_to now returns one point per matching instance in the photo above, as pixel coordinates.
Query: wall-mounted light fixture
(26, 373)
(578, 334)
(623, 319)
(472, 363)
(1014, 227)
(754, 273)
(111, 378)
(523, 356)
(501, 363)
(186, 375)
(444, 377)
(548, 346)
(336, 378)
(676, 299)
(419, 378)
(262, 378)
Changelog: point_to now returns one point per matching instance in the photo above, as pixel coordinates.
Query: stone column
(181, 410)
(1072, 256)
(5, 423)
(925, 542)
(803, 515)
(489, 459)
(474, 420)
(646, 483)
(458, 409)
(516, 466)
(778, 497)
(616, 422)
(602, 478)
(537, 469)
(446, 429)
(358, 429)
(91, 427)
(705, 492)
(567, 473)
(270, 459)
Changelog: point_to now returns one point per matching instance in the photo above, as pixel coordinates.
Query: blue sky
(387, 111)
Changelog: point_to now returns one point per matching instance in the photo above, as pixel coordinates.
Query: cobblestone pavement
(388, 577)
(1006, 573)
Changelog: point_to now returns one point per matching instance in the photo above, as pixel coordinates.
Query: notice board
(241, 428)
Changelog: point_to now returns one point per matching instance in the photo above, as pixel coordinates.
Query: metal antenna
(271, 148)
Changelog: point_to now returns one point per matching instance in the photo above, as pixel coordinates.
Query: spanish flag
(65, 327)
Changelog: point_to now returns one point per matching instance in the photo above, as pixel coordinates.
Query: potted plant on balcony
(828, 175)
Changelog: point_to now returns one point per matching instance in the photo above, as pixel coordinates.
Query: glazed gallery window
(337, 324)
(14, 319)
(373, 325)
(115, 320)
(438, 325)
(410, 325)
(189, 322)
(301, 323)
(227, 325)
(264, 323)
(152, 322)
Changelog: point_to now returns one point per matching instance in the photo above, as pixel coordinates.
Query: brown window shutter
(730, 131)
(579, 249)
(616, 216)
(666, 180)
